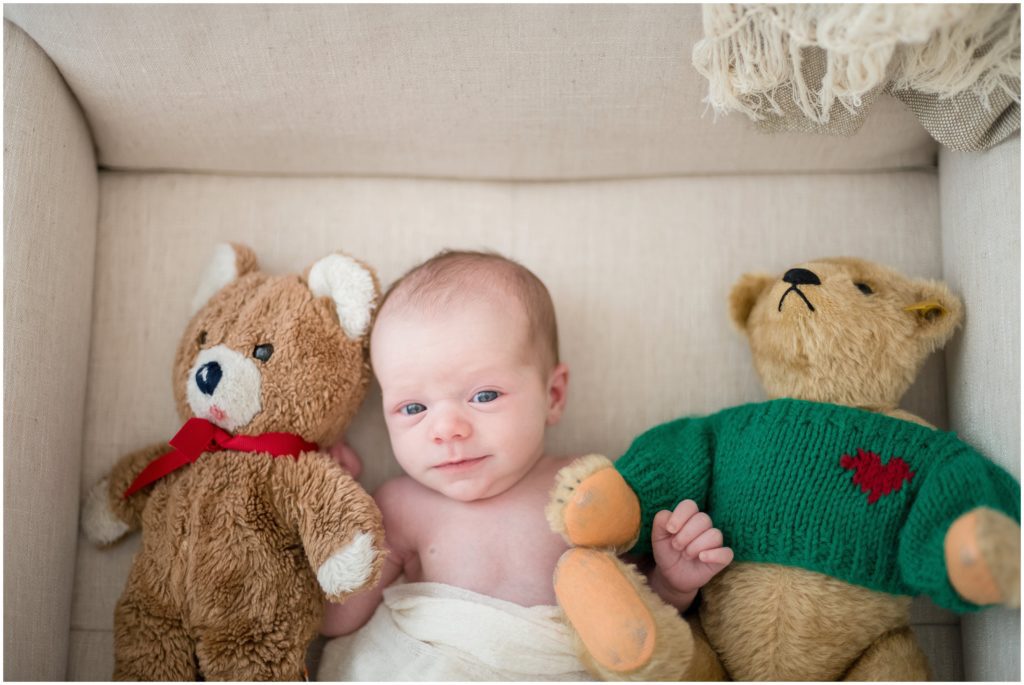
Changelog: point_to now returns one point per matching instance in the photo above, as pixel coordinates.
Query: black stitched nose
(801, 277)
(207, 377)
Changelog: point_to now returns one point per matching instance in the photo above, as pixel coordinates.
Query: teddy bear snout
(208, 376)
(224, 386)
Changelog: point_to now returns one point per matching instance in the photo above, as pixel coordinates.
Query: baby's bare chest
(501, 548)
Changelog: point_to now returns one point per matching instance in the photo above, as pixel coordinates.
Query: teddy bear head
(277, 353)
(842, 330)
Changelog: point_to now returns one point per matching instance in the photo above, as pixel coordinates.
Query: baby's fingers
(709, 539)
(721, 556)
(694, 528)
(684, 511)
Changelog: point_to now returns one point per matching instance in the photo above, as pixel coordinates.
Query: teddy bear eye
(263, 352)
(864, 288)
(201, 340)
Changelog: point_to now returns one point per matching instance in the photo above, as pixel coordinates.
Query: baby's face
(465, 399)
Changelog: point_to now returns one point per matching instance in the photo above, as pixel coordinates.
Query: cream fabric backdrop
(50, 209)
(469, 91)
(981, 253)
(639, 271)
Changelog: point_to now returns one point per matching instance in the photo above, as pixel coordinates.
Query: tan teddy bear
(838, 505)
(245, 523)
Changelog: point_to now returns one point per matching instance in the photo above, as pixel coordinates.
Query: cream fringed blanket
(430, 631)
(818, 68)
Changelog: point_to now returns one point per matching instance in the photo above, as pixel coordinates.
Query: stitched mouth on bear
(798, 292)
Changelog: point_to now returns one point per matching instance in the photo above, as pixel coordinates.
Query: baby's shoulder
(549, 466)
(400, 493)
(404, 504)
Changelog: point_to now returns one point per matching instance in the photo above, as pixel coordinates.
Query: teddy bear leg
(592, 506)
(623, 630)
(705, 664)
(253, 652)
(894, 657)
(150, 647)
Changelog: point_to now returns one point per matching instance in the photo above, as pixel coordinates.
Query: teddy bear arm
(107, 515)
(960, 541)
(338, 522)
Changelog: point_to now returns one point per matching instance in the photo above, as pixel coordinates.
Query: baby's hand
(687, 550)
(347, 458)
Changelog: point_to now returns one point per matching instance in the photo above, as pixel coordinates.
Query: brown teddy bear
(246, 524)
(838, 505)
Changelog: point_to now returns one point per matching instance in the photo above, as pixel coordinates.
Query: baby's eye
(411, 409)
(486, 396)
(864, 288)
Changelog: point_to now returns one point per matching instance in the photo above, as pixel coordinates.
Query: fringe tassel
(750, 52)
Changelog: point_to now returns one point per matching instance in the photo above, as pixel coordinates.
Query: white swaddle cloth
(432, 631)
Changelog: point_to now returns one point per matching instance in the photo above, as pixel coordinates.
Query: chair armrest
(980, 208)
(51, 197)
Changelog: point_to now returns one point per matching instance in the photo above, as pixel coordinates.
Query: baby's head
(465, 348)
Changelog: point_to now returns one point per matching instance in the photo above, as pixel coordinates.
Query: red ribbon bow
(199, 435)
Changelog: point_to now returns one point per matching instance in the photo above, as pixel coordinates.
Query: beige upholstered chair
(572, 138)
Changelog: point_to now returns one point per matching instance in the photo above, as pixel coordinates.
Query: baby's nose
(451, 426)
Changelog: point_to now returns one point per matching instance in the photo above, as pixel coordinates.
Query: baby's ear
(744, 295)
(936, 311)
(351, 285)
(230, 261)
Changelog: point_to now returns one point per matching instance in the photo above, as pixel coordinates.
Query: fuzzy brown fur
(862, 345)
(225, 585)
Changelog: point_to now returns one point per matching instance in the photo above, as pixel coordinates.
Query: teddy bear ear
(936, 311)
(353, 287)
(744, 295)
(229, 262)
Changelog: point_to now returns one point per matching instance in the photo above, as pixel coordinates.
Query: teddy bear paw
(983, 557)
(592, 506)
(350, 568)
(100, 525)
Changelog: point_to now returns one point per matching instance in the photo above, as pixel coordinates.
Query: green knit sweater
(860, 496)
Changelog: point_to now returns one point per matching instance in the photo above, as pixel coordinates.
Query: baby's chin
(473, 489)
(470, 490)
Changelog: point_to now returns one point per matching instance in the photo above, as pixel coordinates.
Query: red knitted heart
(874, 478)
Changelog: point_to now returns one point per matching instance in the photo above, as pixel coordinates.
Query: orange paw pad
(605, 609)
(603, 512)
(966, 565)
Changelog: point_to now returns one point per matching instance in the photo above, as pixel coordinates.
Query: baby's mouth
(461, 463)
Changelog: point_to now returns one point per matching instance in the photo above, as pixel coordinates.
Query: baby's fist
(688, 550)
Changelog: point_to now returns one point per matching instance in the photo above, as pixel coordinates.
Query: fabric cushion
(981, 260)
(639, 271)
(50, 209)
(465, 91)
